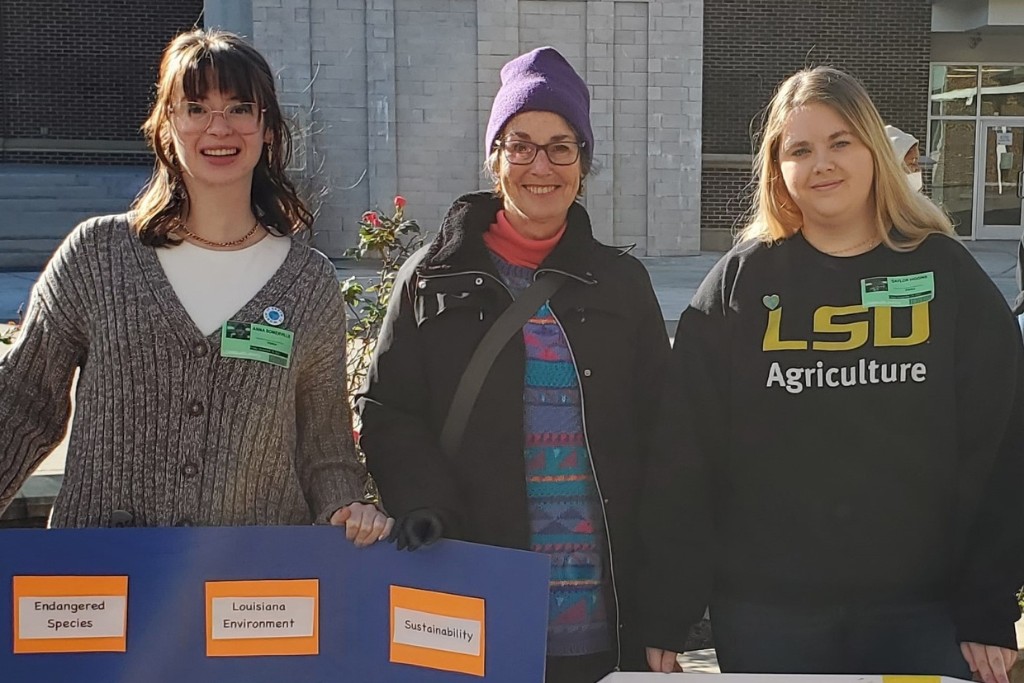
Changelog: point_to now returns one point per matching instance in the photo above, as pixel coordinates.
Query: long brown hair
(199, 61)
(775, 215)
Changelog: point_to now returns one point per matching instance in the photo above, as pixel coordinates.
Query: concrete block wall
(629, 121)
(40, 204)
(396, 94)
(439, 155)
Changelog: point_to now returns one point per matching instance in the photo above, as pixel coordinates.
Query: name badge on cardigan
(261, 343)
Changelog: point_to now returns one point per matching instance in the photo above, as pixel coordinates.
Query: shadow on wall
(40, 205)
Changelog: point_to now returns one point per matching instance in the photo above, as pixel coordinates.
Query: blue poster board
(168, 569)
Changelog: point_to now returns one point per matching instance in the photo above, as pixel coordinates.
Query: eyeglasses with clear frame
(195, 117)
(522, 152)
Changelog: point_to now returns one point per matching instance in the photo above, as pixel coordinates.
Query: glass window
(1002, 91)
(1003, 167)
(952, 148)
(954, 90)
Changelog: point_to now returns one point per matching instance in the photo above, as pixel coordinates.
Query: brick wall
(724, 200)
(82, 70)
(750, 46)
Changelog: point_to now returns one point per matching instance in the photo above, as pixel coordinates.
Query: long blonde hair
(897, 207)
(199, 61)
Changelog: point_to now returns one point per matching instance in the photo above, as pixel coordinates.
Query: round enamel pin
(273, 315)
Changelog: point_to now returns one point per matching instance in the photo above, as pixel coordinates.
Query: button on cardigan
(166, 429)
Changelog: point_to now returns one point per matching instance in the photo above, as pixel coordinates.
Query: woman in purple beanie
(551, 449)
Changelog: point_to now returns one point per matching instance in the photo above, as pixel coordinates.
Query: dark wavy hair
(199, 61)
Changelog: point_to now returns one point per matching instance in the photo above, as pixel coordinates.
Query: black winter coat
(444, 300)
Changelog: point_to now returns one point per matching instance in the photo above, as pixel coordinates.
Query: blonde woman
(183, 417)
(846, 403)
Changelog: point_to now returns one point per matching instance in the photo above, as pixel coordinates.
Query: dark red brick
(82, 70)
(751, 46)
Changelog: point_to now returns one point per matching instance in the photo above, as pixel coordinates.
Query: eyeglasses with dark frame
(195, 117)
(523, 152)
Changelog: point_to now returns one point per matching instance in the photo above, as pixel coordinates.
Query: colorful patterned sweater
(565, 513)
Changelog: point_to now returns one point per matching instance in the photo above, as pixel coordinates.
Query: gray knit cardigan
(166, 431)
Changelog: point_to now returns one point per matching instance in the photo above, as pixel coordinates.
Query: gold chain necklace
(869, 243)
(211, 243)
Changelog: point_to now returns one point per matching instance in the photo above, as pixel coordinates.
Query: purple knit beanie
(541, 80)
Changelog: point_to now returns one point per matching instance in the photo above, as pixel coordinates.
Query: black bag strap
(508, 323)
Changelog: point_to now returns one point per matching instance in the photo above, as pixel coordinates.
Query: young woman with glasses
(208, 338)
(553, 452)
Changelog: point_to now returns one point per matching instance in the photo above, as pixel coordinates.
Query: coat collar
(459, 244)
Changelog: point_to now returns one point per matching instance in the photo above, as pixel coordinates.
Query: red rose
(372, 218)
(399, 202)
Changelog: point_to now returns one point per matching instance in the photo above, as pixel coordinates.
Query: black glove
(416, 529)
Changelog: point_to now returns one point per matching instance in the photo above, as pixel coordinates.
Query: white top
(214, 285)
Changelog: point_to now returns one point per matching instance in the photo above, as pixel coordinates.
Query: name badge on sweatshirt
(897, 291)
(261, 343)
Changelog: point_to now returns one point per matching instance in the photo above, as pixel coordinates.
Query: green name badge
(897, 291)
(256, 342)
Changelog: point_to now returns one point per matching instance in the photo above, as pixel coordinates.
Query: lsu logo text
(858, 325)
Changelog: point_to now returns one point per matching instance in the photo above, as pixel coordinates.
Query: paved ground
(14, 288)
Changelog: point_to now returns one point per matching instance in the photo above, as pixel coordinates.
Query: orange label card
(437, 630)
(259, 618)
(70, 614)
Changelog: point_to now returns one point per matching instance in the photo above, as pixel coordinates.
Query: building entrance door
(999, 195)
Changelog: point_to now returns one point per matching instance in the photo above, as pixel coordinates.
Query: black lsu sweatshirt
(841, 430)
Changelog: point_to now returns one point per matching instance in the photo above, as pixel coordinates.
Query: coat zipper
(586, 437)
(597, 484)
(471, 272)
